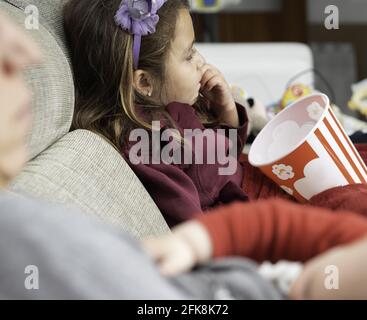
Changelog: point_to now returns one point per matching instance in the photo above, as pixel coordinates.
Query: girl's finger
(205, 68)
(208, 70)
(213, 82)
(205, 84)
(207, 75)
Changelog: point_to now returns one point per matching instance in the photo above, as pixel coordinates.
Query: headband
(139, 18)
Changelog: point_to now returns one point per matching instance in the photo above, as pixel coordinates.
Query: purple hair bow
(138, 17)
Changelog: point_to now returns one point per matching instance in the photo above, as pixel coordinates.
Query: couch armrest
(83, 170)
(262, 69)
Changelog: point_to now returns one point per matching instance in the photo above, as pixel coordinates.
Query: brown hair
(102, 60)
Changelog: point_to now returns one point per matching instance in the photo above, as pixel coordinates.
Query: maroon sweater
(181, 191)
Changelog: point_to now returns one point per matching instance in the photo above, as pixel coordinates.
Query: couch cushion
(82, 170)
(52, 83)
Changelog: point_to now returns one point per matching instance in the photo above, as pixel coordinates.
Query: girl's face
(184, 64)
(16, 52)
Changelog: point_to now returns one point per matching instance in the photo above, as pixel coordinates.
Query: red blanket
(351, 197)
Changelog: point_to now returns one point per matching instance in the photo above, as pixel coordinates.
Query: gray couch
(79, 168)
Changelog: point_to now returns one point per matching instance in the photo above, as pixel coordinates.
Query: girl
(135, 62)
(120, 88)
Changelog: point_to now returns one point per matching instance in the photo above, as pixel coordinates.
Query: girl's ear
(142, 83)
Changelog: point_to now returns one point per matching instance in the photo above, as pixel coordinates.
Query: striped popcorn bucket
(305, 150)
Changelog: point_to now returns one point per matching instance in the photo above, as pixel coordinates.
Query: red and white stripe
(340, 149)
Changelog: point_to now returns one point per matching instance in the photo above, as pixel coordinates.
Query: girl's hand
(188, 245)
(216, 89)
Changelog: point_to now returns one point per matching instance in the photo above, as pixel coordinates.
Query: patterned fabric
(82, 170)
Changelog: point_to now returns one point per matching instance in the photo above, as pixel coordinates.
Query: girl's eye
(189, 58)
